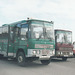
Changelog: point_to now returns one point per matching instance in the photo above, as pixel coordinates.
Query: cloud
(62, 12)
(59, 11)
(18, 8)
(21, 8)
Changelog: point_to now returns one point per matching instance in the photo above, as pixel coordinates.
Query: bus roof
(23, 21)
(62, 30)
(40, 20)
(15, 23)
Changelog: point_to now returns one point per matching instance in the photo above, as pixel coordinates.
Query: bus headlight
(71, 53)
(53, 52)
(34, 52)
(50, 52)
(38, 51)
(59, 53)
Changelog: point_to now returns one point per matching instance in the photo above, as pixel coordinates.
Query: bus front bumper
(67, 54)
(41, 54)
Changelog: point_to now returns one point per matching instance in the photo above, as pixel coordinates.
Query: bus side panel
(5, 46)
(22, 45)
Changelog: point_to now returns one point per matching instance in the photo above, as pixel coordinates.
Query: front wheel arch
(21, 58)
(20, 50)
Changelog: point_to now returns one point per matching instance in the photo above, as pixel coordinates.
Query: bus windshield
(41, 30)
(64, 37)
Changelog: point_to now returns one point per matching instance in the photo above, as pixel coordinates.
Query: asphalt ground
(56, 67)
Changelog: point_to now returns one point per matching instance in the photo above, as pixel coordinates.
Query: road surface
(56, 67)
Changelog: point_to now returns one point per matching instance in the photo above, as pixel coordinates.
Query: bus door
(14, 40)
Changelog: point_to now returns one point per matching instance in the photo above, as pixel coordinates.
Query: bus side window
(5, 31)
(24, 33)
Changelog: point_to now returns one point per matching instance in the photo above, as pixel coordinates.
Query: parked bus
(63, 44)
(28, 40)
(74, 49)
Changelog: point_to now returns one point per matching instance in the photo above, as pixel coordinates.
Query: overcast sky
(62, 12)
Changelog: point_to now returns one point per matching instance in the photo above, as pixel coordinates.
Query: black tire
(64, 58)
(45, 62)
(1, 56)
(74, 55)
(21, 59)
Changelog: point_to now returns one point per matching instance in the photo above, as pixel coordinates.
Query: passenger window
(5, 31)
(24, 33)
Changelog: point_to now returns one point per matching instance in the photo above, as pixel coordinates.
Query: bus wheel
(64, 58)
(45, 62)
(1, 56)
(74, 55)
(21, 58)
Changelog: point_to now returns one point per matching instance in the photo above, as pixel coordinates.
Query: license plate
(45, 52)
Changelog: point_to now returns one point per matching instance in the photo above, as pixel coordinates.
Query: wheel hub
(20, 59)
